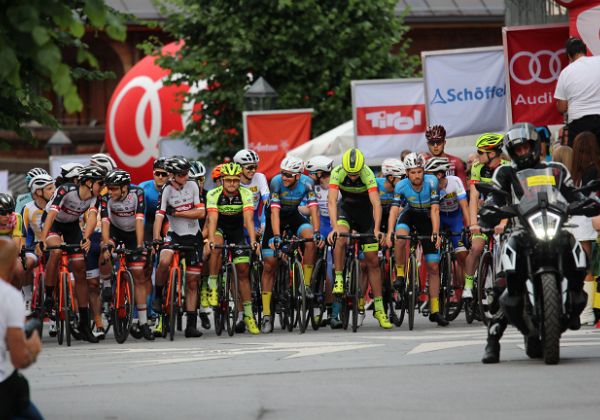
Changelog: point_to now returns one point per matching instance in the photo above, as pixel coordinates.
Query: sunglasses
(250, 167)
(5, 212)
(483, 152)
(287, 175)
(435, 142)
(161, 174)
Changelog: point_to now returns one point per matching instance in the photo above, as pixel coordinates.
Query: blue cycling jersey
(288, 199)
(150, 201)
(418, 201)
(386, 197)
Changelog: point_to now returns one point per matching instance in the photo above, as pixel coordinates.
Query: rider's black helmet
(117, 178)
(7, 202)
(518, 134)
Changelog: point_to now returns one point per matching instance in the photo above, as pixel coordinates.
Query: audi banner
(534, 57)
(465, 90)
(389, 116)
(272, 133)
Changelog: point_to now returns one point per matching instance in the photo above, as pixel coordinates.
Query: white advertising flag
(465, 90)
(389, 116)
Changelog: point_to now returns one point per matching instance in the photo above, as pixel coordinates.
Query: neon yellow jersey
(482, 173)
(356, 190)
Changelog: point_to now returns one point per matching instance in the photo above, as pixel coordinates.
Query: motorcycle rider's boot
(512, 307)
(533, 347)
(578, 301)
(491, 353)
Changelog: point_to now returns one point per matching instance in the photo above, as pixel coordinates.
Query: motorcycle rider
(523, 145)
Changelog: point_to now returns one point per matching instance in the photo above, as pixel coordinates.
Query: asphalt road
(428, 373)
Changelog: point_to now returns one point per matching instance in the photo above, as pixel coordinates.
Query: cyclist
(25, 198)
(420, 194)
(11, 226)
(454, 208)
(288, 189)
(216, 175)
(256, 182)
(436, 142)
(230, 209)
(61, 219)
(489, 150)
(358, 210)
(180, 201)
(122, 213)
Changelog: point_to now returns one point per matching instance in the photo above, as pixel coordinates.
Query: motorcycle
(547, 308)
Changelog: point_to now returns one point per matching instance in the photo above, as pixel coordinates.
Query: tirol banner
(389, 116)
(272, 133)
(534, 58)
(584, 22)
(465, 90)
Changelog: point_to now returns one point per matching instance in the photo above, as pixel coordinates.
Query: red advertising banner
(272, 134)
(584, 22)
(534, 56)
(399, 119)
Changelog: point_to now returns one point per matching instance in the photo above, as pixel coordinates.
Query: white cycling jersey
(180, 199)
(451, 194)
(69, 205)
(259, 188)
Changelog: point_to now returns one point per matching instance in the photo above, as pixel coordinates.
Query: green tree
(308, 50)
(34, 34)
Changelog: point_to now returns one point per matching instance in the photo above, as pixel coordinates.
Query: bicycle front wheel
(301, 301)
(123, 315)
(412, 290)
(231, 298)
(255, 279)
(317, 308)
(485, 287)
(172, 302)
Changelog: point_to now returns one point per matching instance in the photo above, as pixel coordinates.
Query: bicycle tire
(483, 273)
(124, 312)
(412, 290)
(172, 310)
(280, 293)
(317, 284)
(38, 297)
(355, 292)
(301, 301)
(291, 300)
(218, 310)
(346, 298)
(67, 308)
(232, 298)
(255, 279)
(394, 301)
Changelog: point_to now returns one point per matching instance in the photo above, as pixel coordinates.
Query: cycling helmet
(160, 163)
(393, 167)
(70, 170)
(292, 164)
(197, 169)
(7, 202)
(353, 161)
(246, 157)
(103, 160)
(33, 173)
(231, 169)
(437, 164)
(117, 178)
(413, 160)
(489, 141)
(95, 173)
(40, 182)
(216, 172)
(518, 134)
(435, 132)
(319, 163)
(177, 165)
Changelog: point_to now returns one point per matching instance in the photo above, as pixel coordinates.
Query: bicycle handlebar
(63, 247)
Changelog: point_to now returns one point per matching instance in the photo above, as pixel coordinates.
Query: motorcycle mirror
(486, 188)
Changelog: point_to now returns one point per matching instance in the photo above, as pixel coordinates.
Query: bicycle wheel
(172, 302)
(355, 292)
(280, 294)
(301, 301)
(218, 310)
(412, 290)
(317, 308)
(346, 297)
(124, 308)
(232, 298)
(58, 315)
(37, 299)
(485, 283)
(255, 279)
(394, 301)
(292, 297)
(66, 307)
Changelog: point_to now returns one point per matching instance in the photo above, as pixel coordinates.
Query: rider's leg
(400, 257)
(338, 258)
(471, 262)
(162, 273)
(268, 276)
(214, 265)
(308, 261)
(77, 264)
(243, 268)
(372, 261)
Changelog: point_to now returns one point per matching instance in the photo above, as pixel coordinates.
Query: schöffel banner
(389, 116)
(465, 90)
(534, 57)
(272, 134)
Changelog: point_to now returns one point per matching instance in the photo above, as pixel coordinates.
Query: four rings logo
(543, 66)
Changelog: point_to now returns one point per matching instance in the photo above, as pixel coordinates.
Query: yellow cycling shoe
(158, 330)
(384, 322)
(251, 325)
(213, 297)
(338, 287)
(204, 297)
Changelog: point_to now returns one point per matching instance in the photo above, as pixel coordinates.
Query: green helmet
(353, 161)
(231, 170)
(489, 141)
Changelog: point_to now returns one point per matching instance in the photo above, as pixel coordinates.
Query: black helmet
(160, 163)
(177, 165)
(117, 178)
(522, 133)
(95, 173)
(7, 202)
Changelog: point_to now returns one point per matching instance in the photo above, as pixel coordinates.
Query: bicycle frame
(120, 295)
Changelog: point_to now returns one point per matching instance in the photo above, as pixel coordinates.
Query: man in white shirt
(578, 90)
(16, 351)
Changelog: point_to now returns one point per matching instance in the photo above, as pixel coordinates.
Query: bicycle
(64, 299)
(122, 304)
(37, 287)
(318, 285)
(393, 300)
(483, 286)
(449, 286)
(256, 270)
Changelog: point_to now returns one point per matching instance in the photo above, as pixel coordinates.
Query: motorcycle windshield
(540, 185)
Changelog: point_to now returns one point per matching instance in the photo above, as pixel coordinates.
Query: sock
(335, 310)
(212, 282)
(378, 303)
(339, 276)
(142, 314)
(399, 271)
(84, 317)
(192, 319)
(597, 294)
(361, 303)
(469, 281)
(435, 305)
(266, 302)
(308, 269)
(98, 321)
(27, 291)
(248, 309)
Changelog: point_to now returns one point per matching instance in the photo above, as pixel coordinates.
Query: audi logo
(535, 67)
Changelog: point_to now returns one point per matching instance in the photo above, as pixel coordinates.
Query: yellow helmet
(231, 170)
(489, 141)
(353, 161)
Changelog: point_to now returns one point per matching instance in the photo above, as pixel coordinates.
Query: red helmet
(436, 132)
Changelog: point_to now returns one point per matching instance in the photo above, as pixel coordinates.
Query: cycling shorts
(454, 223)
(70, 232)
(359, 217)
(193, 258)
(92, 256)
(422, 223)
(235, 236)
(129, 240)
(294, 223)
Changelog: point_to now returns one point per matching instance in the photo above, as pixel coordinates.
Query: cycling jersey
(32, 222)
(151, 194)
(354, 191)
(180, 199)
(483, 173)
(68, 205)
(21, 201)
(386, 197)
(288, 199)
(123, 213)
(13, 226)
(417, 201)
(451, 194)
(259, 187)
(230, 208)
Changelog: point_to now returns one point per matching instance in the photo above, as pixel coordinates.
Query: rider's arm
(211, 224)
(139, 217)
(249, 223)
(91, 222)
(464, 207)
(105, 221)
(332, 200)
(473, 204)
(313, 205)
(376, 202)
(275, 220)
(435, 219)
(394, 210)
(50, 216)
(161, 209)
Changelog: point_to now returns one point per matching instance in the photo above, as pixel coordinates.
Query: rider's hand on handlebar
(499, 229)
(388, 239)
(332, 235)
(436, 239)
(379, 236)
(85, 244)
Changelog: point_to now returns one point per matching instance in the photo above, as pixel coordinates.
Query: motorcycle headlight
(545, 225)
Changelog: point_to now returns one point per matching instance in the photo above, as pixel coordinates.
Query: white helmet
(246, 157)
(413, 160)
(70, 170)
(437, 164)
(292, 164)
(39, 182)
(319, 163)
(104, 161)
(393, 167)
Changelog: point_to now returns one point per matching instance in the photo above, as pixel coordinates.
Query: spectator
(14, 389)
(578, 90)
(564, 155)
